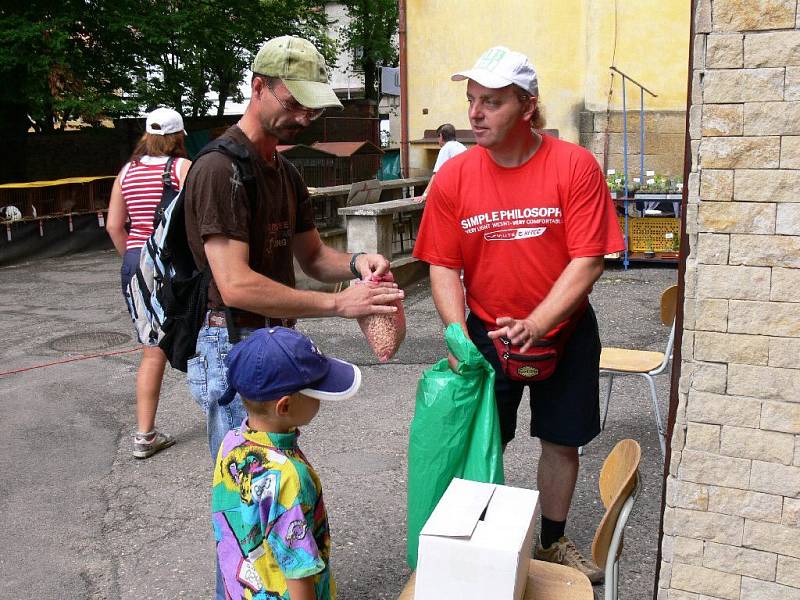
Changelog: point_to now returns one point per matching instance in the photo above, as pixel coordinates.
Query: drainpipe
(401, 30)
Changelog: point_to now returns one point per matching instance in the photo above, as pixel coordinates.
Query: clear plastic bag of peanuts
(384, 333)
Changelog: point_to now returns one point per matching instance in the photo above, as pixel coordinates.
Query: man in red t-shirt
(528, 218)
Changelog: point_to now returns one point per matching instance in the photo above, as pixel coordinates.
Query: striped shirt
(141, 189)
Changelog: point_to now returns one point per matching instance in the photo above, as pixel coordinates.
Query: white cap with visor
(499, 67)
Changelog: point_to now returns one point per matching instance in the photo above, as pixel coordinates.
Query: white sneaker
(147, 444)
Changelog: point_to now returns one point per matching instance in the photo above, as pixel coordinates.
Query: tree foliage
(61, 62)
(370, 36)
(91, 59)
(193, 47)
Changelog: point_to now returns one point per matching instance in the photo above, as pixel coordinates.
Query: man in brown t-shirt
(250, 243)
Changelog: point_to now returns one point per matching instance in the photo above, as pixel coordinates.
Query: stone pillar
(369, 233)
(732, 520)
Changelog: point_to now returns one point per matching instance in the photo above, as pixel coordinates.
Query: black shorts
(565, 408)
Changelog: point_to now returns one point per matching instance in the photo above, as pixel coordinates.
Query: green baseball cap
(302, 69)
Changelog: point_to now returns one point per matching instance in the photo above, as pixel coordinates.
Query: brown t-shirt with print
(217, 204)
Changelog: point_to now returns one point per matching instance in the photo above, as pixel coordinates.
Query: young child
(270, 523)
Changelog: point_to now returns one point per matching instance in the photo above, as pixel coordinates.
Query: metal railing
(626, 198)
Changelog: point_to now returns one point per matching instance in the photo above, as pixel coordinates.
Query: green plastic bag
(455, 432)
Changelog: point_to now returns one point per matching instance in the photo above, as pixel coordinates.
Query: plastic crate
(649, 234)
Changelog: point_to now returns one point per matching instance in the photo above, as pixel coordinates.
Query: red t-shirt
(514, 230)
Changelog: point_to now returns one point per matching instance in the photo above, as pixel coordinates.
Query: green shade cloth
(390, 165)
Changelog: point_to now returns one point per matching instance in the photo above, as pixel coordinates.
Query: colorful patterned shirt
(269, 519)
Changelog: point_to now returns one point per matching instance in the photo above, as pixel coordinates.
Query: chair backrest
(618, 479)
(364, 192)
(669, 303)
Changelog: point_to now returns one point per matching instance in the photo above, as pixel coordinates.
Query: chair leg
(608, 582)
(605, 408)
(608, 399)
(657, 414)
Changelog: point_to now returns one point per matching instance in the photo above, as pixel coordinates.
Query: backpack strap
(166, 175)
(168, 192)
(241, 157)
(243, 163)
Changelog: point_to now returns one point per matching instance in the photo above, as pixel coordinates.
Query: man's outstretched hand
(368, 298)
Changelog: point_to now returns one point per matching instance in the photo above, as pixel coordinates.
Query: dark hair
(537, 120)
(447, 131)
(171, 144)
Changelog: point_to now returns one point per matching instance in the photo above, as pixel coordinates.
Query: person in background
(448, 148)
(135, 196)
(529, 219)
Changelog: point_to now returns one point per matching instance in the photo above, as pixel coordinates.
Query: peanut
(385, 333)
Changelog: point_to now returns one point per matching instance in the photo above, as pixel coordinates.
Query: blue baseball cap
(279, 361)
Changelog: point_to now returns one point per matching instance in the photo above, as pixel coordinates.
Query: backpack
(168, 295)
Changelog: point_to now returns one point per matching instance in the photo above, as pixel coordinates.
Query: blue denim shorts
(130, 262)
(208, 381)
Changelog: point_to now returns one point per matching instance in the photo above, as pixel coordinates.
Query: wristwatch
(353, 268)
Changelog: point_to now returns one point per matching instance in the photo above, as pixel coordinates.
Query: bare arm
(243, 288)
(448, 297)
(424, 195)
(185, 164)
(323, 263)
(117, 217)
(301, 589)
(567, 293)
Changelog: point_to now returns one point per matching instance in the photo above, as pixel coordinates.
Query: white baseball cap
(164, 121)
(499, 67)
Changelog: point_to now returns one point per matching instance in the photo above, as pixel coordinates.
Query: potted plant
(674, 243)
(616, 183)
(655, 190)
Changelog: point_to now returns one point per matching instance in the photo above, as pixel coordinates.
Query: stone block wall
(732, 521)
(665, 131)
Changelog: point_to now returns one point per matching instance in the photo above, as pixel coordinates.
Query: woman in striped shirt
(134, 199)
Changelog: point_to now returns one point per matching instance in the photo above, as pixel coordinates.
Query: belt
(218, 318)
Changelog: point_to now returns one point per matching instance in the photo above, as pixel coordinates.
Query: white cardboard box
(477, 543)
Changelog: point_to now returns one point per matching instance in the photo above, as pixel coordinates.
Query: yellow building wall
(570, 42)
(650, 43)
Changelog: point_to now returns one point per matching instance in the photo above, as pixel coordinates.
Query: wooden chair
(618, 362)
(619, 488)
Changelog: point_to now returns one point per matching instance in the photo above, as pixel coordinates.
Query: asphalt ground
(81, 518)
